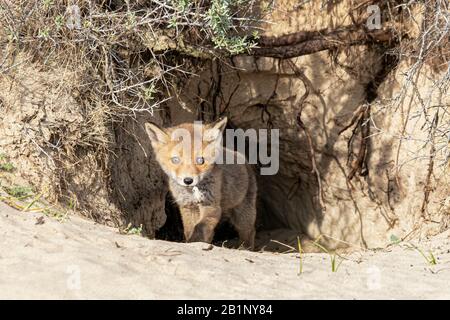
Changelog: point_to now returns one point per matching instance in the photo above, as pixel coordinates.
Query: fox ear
(156, 134)
(215, 129)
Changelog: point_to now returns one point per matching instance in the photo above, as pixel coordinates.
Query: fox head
(187, 153)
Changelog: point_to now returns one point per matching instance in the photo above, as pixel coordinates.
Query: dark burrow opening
(172, 230)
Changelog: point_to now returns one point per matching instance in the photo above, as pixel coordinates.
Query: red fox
(205, 189)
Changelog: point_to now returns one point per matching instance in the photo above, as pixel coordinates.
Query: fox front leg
(204, 229)
(190, 217)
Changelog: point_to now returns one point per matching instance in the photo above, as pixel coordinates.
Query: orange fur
(205, 191)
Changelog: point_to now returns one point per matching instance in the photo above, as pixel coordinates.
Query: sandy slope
(80, 259)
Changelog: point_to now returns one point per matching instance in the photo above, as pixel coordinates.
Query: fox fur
(206, 191)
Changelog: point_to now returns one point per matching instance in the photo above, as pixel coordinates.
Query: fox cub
(205, 189)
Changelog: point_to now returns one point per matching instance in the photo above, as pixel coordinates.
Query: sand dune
(78, 259)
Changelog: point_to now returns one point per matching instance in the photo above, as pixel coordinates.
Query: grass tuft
(333, 256)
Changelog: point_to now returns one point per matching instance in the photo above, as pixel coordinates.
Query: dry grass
(430, 48)
(109, 62)
(130, 56)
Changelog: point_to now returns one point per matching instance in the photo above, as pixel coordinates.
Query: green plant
(130, 230)
(131, 20)
(72, 203)
(18, 191)
(150, 92)
(394, 239)
(47, 3)
(172, 22)
(8, 166)
(220, 20)
(58, 215)
(59, 21)
(5, 165)
(182, 5)
(333, 257)
(44, 33)
(430, 258)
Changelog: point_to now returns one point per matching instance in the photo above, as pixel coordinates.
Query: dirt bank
(363, 121)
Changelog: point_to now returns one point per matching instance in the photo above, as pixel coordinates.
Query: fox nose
(188, 181)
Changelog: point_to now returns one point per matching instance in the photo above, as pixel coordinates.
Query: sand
(41, 257)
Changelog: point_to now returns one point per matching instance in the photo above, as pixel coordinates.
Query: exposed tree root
(307, 42)
(357, 161)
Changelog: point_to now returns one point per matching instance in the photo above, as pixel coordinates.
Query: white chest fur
(197, 194)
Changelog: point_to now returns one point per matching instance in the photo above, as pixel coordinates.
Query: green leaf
(394, 239)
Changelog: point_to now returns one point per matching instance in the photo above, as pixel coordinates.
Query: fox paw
(201, 234)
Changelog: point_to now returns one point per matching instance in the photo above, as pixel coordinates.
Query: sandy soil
(78, 259)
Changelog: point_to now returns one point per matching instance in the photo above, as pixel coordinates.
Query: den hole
(225, 233)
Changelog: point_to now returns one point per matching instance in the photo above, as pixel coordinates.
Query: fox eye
(175, 160)
(200, 160)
